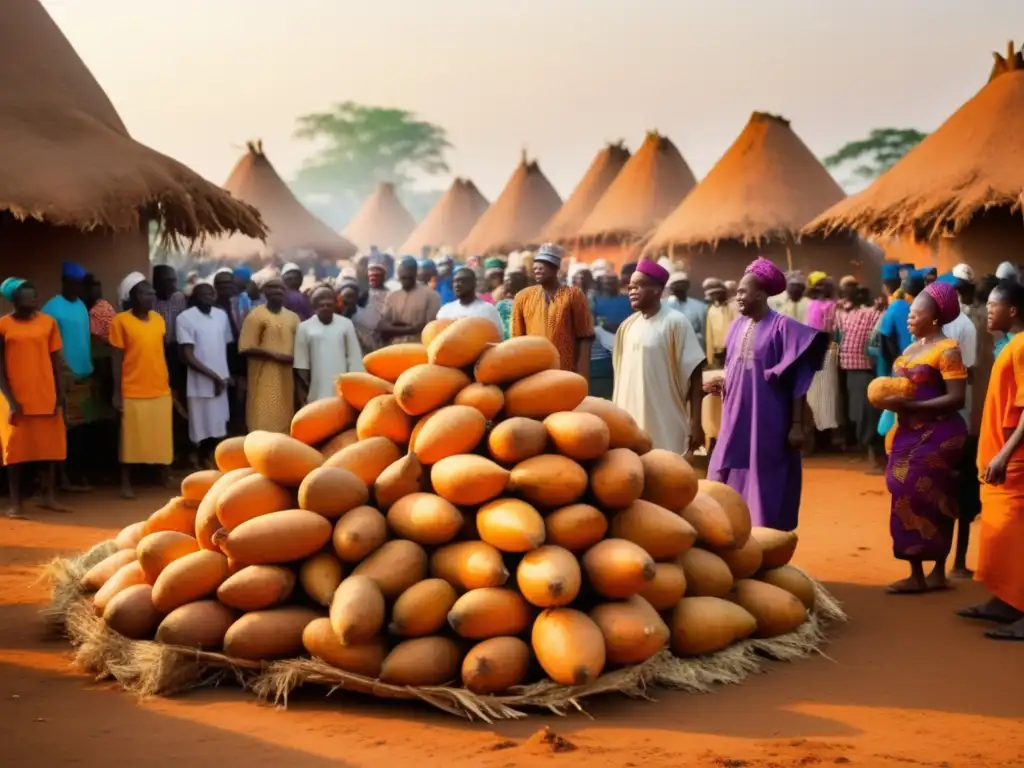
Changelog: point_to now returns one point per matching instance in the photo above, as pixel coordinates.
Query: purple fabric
(821, 314)
(920, 474)
(946, 299)
(653, 270)
(297, 303)
(771, 278)
(752, 454)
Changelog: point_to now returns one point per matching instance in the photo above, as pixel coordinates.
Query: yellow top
(144, 369)
(716, 326)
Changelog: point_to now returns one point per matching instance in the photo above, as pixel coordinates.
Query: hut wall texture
(35, 251)
(984, 244)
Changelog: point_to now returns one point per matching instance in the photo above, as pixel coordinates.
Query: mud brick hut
(516, 217)
(653, 182)
(74, 185)
(755, 200)
(294, 234)
(450, 220)
(961, 189)
(381, 221)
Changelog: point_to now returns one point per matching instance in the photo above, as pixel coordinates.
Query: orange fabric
(28, 345)
(144, 369)
(32, 438)
(564, 320)
(943, 355)
(1000, 565)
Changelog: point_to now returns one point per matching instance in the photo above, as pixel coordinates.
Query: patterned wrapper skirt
(147, 432)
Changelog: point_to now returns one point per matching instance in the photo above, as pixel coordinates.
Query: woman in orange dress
(1001, 470)
(31, 409)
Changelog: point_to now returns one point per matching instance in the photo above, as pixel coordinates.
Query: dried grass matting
(147, 668)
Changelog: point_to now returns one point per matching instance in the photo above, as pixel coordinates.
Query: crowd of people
(756, 373)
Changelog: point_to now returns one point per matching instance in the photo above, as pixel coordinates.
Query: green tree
(873, 156)
(360, 145)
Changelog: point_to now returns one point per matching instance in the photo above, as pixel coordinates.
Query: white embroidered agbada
(326, 351)
(654, 359)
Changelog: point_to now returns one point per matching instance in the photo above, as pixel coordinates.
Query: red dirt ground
(905, 683)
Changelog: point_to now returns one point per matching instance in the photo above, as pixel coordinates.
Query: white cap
(1006, 271)
(129, 282)
(291, 266)
(963, 272)
(677, 277)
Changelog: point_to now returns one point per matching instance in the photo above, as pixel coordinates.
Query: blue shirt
(894, 323)
(73, 322)
(1000, 344)
(609, 311)
(445, 290)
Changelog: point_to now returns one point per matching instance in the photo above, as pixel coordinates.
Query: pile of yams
(462, 512)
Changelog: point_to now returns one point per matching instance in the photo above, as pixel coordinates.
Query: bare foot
(994, 610)
(961, 572)
(909, 586)
(14, 513)
(127, 493)
(1013, 631)
(53, 505)
(937, 581)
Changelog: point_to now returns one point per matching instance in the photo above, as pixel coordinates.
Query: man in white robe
(467, 303)
(326, 346)
(658, 365)
(203, 335)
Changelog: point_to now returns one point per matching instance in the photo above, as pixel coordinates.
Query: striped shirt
(169, 310)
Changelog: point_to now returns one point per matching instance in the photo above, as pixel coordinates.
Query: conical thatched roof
(766, 186)
(291, 228)
(648, 187)
(450, 220)
(382, 220)
(515, 218)
(972, 163)
(595, 182)
(66, 158)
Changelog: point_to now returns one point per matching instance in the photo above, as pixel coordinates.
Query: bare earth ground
(905, 683)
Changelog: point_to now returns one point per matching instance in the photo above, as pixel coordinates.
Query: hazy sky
(197, 78)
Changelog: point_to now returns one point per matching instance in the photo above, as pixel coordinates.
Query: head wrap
(493, 266)
(948, 277)
(815, 277)
(946, 299)
(10, 286)
(71, 271)
(224, 271)
(678, 277)
(653, 270)
(711, 282)
(291, 266)
(125, 288)
(407, 262)
(768, 276)
(796, 277)
(890, 271)
(242, 273)
(551, 254)
(1006, 271)
(963, 272)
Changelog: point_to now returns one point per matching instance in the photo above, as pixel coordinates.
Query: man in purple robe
(770, 360)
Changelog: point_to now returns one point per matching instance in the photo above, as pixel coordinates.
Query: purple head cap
(653, 270)
(946, 299)
(771, 278)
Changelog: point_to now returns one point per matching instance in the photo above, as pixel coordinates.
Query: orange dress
(1001, 545)
(565, 320)
(38, 434)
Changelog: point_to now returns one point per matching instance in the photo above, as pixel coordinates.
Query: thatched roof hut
(73, 183)
(962, 187)
(450, 220)
(381, 221)
(515, 218)
(564, 225)
(293, 232)
(755, 200)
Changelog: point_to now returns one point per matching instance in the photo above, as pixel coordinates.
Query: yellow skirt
(147, 431)
(33, 438)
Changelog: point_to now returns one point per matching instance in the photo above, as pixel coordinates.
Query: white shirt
(453, 310)
(326, 351)
(962, 330)
(209, 335)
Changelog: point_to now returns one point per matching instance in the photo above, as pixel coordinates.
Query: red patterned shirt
(856, 327)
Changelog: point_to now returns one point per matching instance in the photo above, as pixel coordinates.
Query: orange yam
(277, 537)
(422, 609)
(281, 458)
(707, 575)
(357, 610)
(358, 533)
(495, 665)
(542, 394)
(401, 478)
(663, 534)
(390, 362)
(425, 388)
(469, 565)
(777, 547)
(422, 661)
(251, 497)
(510, 525)
(207, 523)
(701, 625)
(126, 576)
(131, 614)
(425, 518)
(319, 640)
(129, 536)
(201, 625)
(230, 454)
(569, 646)
(549, 577)
(196, 485)
(336, 443)
(189, 578)
(777, 611)
(395, 566)
(667, 588)
(332, 491)
(669, 481)
(256, 587)
(489, 612)
(733, 505)
(580, 436)
(322, 419)
(744, 561)
(486, 398)
(713, 526)
(622, 428)
(158, 550)
(449, 431)
(548, 480)
(358, 388)
(98, 575)
(617, 568)
(384, 417)
(461, 343)
(468, 480)
(515, 359)
(366, 459)
(517, 439)
(267, 635)
(431, 330)
(617, 478)
(320, 575)
(576, 527)
(178, 514)
(633, 631)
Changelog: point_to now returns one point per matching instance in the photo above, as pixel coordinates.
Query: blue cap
(72, 271)
(947, 278)
(890, 271)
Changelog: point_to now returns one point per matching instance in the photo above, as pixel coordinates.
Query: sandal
(978, 613)
(1005, 633)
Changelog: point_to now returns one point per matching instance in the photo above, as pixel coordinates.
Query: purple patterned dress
(924, 452)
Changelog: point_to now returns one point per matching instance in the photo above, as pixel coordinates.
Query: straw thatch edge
(147, 668)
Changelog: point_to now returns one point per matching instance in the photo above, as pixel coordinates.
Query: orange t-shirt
(28, 345)
(144, 368)
(1004, 404)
